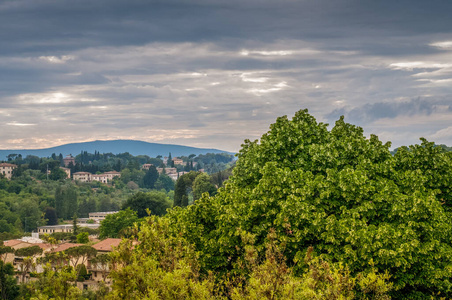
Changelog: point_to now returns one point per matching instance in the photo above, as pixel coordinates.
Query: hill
(115, 147)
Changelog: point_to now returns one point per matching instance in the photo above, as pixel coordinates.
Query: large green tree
(155, 201)
(202, 184)
(114, 225)
(338, 191)
(164, 182)
(150, 177)
(183, 189)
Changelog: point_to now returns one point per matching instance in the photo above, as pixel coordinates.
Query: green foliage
(57, 173)
(115, 225)
(159, 267)
(155, 201)
(164, 182)
(9, 290)
(79, 256)
(51, 216)
(150, 178)
(82, 273)
(65, 201)
(166, 266)
(184, 188)
(55, 283)
(74, 225)
(63, 236)
(338, 190)
(4, 251)
(83, 237)
(202, 184)
(28, 251)
(214, 162)
(434, 164)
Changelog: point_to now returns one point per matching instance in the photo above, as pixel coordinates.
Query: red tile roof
(65, 246)
(12, 243)
(107, 244)
(43, 246)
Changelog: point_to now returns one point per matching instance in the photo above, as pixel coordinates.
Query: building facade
(7, 169)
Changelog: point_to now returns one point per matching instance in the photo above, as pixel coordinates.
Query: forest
(308, 213)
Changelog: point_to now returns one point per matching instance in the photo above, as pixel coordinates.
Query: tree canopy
(338, 191)
(157, 202)
(114, 225)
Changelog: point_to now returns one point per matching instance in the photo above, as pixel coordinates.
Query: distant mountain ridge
(114, 146)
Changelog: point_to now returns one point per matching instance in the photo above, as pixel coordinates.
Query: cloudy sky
(208, 73)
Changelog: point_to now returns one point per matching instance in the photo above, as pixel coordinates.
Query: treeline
(103, 162)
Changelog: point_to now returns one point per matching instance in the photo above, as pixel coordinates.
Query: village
(29, 255)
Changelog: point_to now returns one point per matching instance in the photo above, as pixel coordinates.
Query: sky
(211, 74)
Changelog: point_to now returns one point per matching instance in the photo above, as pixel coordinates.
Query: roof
(81, 173)
(62, 226)
(112, 172)
(107, 244)
(8, 165)
(65, 246)
(12, 243)
(43, 246)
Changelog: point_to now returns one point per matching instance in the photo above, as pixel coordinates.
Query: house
(100, 216)
(55, 228)
(178, 161)
(63, 228)
(88, 177)
(15, 244)
(67, 171)
(6, 169)
(99, 177)
(107, 245)
(18, 261)
(68, 160)
(99, 266)
(82, 176)
(146, 166)
(167, 171)
(112, 174)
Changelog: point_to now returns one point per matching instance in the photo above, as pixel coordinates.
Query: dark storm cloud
(198, 70)
(38, 26)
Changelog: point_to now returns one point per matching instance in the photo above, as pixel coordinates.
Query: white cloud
(442, 45)
(443, 133)
(277, 87)
(19, 124)
(267, 53)
(418, 65)
(245, 77)
(276, 53)
(57, 60)
(45, 98)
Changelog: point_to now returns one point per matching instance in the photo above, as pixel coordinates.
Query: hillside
(115, 147)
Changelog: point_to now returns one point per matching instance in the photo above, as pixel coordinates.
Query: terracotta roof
(107, 244)
(43, 246)
(65, 246)
(12, 243)
(81, 173)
